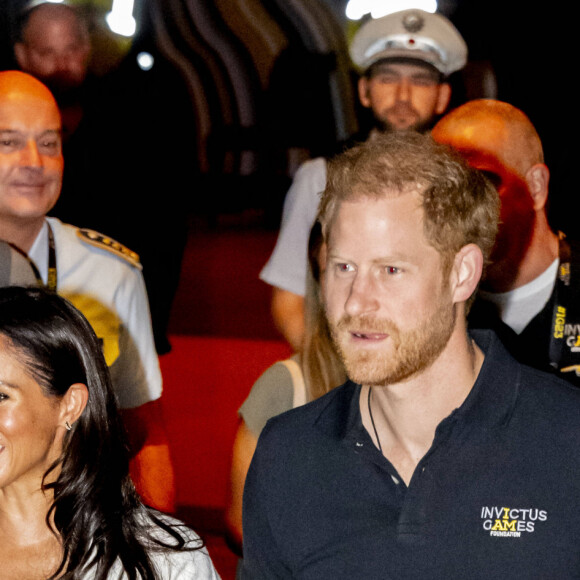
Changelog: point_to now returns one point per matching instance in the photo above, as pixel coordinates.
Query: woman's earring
(67, 425)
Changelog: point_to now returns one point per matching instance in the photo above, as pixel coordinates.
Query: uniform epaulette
(101, 241)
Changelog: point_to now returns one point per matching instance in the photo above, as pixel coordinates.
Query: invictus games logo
(511, 522)
(571, 333)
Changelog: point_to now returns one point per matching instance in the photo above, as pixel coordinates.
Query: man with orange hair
(98, 275)
(532, 285)
(441, 457)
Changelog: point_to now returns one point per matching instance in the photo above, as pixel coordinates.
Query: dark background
(255, 84)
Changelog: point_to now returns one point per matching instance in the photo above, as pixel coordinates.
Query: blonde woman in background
(287, 384)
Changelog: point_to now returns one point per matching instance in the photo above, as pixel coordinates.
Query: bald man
(99, 276)
(532, 287)
(112, 125)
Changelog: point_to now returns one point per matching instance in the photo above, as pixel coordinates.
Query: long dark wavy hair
(97, 513)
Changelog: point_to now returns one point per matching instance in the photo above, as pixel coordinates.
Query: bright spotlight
(120, 18)
(145, 61)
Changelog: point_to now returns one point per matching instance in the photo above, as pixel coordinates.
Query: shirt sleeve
(110, 291)
(194, 563)
(136, 373)
(270, 395)
(287, 266)
(263, 557)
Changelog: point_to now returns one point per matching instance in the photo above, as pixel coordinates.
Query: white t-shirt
(287, 266)
(518, 307)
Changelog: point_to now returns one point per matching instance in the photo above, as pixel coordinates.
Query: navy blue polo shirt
(497, 494)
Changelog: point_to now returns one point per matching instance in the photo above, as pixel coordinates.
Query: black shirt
(551, 340)
(496, 495)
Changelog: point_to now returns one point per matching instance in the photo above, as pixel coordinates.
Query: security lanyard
(52, 278)
(561, 302)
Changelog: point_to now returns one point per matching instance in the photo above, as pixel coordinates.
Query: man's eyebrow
(56, 132)
(424, 73)
(399, 258)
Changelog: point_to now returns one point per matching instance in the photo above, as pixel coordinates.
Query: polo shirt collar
(489, 404)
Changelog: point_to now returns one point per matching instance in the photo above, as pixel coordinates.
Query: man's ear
(443, 98)
(363, 91)
(537, 179)
(466, 272)
(21, 55)
(73, 403)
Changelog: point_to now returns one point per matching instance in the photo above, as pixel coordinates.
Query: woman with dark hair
(68, 508)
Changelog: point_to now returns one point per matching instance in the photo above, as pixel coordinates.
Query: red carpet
(206, 380)
(222, 339)
(219, 291)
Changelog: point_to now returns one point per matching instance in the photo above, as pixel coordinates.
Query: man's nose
(61, 64)
(30, 156)
(404, 90)
(362, 298)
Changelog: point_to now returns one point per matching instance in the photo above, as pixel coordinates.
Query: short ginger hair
(460, 204)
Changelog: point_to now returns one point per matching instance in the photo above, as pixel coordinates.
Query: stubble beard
(386, 126)
(412, 351)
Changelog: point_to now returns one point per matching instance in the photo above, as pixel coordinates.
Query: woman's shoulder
(192, 561)
(150, 519)
(270, 395)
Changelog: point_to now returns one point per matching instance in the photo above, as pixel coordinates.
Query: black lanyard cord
(52, 279)
(561, 302)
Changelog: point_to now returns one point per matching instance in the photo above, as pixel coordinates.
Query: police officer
(405, 60)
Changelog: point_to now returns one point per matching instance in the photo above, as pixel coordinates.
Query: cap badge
(413, 22)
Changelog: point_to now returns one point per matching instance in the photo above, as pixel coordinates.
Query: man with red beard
(440, 457)
(405, 60)
(531, 288)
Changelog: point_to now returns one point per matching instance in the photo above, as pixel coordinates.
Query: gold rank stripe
(101, 241)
